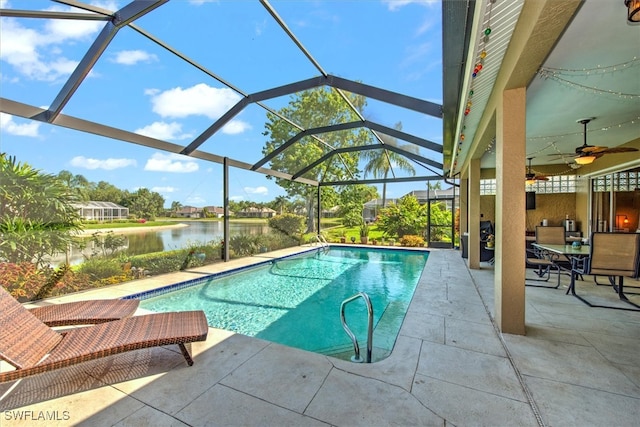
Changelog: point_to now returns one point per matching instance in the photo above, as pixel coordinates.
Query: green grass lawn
(126, 224)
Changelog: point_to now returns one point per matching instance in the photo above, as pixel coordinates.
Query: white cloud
(236, 198)
(201, 2)
(235, 127)
(107, 164)
(164, 131)
(37, 53)
(176, 163)
(397, 4)
(263, 191)
(200, 99)
(11, 127)
(195, 201)
(132, 57)
(260, 27)
(164, 189)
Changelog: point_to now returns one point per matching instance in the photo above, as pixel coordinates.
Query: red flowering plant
(25, 282)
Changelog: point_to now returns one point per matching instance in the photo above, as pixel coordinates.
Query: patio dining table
(556, 253)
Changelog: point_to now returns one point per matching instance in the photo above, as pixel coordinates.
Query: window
(555, 184)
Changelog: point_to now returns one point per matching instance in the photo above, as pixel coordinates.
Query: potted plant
(343, 237)
(364, 233)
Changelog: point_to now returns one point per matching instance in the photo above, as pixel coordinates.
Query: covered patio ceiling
(577, 59)
(431, 168)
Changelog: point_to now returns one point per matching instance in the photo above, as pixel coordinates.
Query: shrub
(243, 244)
(290, 224)
(411, 240)
(98, 268)
(24, 281)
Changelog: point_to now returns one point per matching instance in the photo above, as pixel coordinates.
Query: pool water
(296, 301)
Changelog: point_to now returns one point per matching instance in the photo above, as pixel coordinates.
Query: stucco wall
(553, 207)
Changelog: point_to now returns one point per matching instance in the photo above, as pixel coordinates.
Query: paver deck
(576, 366)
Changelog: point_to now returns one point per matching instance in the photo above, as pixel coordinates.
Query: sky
(138, 86)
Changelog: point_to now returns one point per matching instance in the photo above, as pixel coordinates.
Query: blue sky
(140, 87)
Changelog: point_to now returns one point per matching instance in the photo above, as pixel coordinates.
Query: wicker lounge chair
(33, 347)
(85, 312)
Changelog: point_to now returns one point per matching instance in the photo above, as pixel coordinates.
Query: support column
(510, 211)
(318, 209)
(464, 206)
(225, 201)
(474, 214)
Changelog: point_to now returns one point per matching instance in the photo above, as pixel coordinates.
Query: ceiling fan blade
(593, 149)
(619, 150)
(562, 154)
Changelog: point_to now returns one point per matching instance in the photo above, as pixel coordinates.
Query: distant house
(215, 211)
(371, 209)
(435, 194)
(253, 212)
(331, 213)
(189, 212)
(101, 211)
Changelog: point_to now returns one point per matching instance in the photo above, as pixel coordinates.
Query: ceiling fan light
(633, 10)
(530, 181)
(585, 160)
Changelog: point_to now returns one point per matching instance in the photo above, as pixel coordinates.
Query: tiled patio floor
(577, 366)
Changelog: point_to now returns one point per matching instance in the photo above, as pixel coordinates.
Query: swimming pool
(295, 301)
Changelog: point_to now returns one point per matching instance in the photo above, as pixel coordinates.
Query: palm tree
(176, 206)
(380, 165)
(280, 203)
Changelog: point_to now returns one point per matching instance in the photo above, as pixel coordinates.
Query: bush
(411, 240)
(98, 268)
(24, 281)
(290, 224)
(406, 217)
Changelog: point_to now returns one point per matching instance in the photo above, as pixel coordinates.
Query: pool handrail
(356, 347)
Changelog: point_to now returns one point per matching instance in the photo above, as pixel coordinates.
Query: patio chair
(543, 263)
(32, 347)
(85, 312)
(611, 255)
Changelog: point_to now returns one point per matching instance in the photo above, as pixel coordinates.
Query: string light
(569, 158)
(589, 71)
(562, 75)
(477, 69)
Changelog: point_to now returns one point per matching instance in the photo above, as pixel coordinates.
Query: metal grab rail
(321, 241)
(356, 347)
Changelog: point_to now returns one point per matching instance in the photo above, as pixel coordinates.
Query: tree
(311, 109)
(37, 213)
(280, 204)
(381, 162)
(352, 199)
(77, 183)
(144, 203)
(406, 217)
(175, 206)
(105, 192)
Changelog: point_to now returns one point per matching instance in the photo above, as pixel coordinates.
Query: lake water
(149, 241)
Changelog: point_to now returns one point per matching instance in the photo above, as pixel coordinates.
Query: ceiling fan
(530, 177)
(586, 154)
